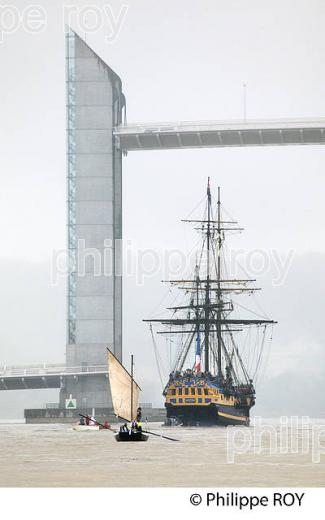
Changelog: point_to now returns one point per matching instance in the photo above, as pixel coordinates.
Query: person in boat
(107, 425)
(134, 426)
(124, 428)
(87, 420)
(82, 421)
(139, 414)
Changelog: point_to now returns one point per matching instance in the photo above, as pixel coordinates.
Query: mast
(198, 342)
(219, 338)
(207, 287)
(131, 387)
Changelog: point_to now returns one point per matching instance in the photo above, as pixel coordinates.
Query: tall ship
(210, 381)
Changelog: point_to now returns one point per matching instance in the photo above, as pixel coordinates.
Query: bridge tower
(95, 104)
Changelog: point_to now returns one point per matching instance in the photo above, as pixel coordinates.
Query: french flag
(198, 353)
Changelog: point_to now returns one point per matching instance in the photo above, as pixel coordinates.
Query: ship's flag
(198, 353)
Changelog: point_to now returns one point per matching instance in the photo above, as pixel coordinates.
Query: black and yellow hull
(197, 400)
(213, 414)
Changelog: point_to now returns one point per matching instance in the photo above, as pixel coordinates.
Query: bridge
(166, 136)
(95, 108)
(45, 375)
(217, 134)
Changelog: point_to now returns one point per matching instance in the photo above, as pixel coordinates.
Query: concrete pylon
(95, 104)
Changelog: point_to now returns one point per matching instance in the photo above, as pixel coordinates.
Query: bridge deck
(44, 376)
(212, 134)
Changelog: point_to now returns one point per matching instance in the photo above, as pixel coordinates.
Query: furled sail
(121, 389)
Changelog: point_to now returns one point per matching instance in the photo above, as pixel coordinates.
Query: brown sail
(121, 389)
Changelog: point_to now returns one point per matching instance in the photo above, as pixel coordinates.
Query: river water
(55, 455)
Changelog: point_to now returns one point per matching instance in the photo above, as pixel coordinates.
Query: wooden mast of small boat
(131, 387)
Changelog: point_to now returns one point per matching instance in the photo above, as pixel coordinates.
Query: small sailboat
(125, 398)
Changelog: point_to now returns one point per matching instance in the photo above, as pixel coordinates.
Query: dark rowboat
(131, 437)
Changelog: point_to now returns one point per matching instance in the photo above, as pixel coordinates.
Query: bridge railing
(49, 369)
(169, 126)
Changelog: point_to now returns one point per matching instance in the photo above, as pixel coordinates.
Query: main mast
(207, 292)
(219, 300)
(132, 369)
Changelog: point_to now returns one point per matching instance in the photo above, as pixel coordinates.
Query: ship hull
(220, 415)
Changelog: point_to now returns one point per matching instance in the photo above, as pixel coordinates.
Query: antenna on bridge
(245, 101)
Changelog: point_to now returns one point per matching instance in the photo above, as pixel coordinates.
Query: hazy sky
(184, 60)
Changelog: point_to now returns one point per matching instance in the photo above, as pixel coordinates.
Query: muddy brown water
(57, 456)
